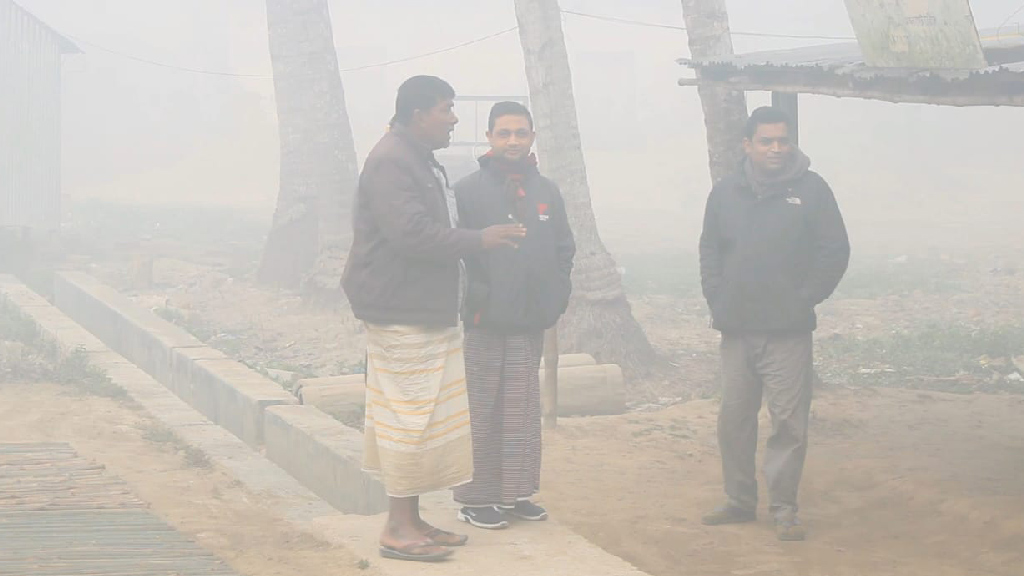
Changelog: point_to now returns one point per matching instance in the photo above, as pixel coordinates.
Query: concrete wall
(225, 391)
(320, 452)
(325, 455)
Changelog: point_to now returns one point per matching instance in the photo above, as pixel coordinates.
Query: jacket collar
(403, 134)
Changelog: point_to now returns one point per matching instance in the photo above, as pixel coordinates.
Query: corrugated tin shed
(30, 126)
(840, 70)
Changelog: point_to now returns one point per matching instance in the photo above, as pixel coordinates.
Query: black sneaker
(789, 529)
(526, 510)
(486, 517)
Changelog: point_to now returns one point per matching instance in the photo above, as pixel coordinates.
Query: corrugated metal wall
(30, 89)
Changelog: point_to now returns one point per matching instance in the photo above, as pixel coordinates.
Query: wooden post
(549, 387)
(789, 102)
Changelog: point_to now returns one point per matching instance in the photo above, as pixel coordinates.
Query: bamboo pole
(549, 388)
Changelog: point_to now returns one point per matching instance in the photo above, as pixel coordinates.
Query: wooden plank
(789, 102)
(840, 88)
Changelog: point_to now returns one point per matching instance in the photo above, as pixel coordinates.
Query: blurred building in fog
(30, 122)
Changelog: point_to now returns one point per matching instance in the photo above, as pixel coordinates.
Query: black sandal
(408, 552)
(454, 539)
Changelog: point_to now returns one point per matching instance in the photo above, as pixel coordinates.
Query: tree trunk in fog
(599, 320)
(319, 171)
(725, 111)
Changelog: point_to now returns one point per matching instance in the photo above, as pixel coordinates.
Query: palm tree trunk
(319, 170)
(725, 111)
(599, 320)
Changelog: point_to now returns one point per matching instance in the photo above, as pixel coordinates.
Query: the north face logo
(542, 212)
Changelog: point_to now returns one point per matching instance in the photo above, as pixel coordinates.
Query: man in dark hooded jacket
(513, 296)
(773, 247)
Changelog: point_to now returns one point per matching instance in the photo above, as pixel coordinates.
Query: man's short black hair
(766, 115)
(508, 109)
(420, 93)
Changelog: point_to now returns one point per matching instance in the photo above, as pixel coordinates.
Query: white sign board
(917, 33)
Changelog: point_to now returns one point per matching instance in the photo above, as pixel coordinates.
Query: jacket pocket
(549, 297)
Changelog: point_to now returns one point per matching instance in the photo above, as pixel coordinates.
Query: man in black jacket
(514, 294)
(774, 246)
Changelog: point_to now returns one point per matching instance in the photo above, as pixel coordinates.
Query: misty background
(136, 132)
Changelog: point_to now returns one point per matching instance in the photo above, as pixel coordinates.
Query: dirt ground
(901, 478)
(205, 504)
(897, 483)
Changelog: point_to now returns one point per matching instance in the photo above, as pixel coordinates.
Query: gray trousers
(783, 367)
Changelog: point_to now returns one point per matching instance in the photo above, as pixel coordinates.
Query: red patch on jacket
(542, 209)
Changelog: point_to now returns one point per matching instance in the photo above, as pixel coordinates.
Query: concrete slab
(225, 391)
(129, 329)
(21, 293)
(184, 368)
(234, 396)
(325, 455)
(289, 498)
(525, 549)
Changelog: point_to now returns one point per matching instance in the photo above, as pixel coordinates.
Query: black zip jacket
(524, 289)
(766, 261)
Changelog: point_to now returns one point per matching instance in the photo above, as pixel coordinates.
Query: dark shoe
(728, 515)
(790, 529)
(486, 517)
(526, 510)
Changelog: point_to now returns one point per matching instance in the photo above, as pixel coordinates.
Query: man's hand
(503, 235)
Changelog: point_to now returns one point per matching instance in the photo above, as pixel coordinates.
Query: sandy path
(205, 504)
(898, 483)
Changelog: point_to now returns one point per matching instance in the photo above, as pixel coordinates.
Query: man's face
(769, 149)
(436, 125)
(512, 137)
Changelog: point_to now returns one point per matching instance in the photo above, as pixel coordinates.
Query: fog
(139, 132)
(170, 179)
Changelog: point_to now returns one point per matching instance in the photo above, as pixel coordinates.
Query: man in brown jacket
(405, 279)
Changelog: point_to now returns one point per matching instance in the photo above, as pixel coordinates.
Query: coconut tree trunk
(599, 320)
(725, 111)
(319, 170)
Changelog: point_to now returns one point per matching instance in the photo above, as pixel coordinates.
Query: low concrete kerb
(322, 453)
(225, 391)
(325, 455)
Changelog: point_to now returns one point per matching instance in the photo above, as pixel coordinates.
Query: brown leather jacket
(403, 267)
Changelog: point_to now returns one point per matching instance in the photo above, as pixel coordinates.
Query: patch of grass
(877, 278)
(363, 564)
(941, 357)
(187, 322)
(158, 434)
(192, 456)
(196, 458)
(678, 275)
(351, 368)
(355, 418)
(31, 356)
(300, 371)
(227, 343)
